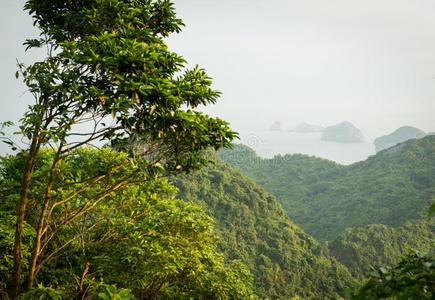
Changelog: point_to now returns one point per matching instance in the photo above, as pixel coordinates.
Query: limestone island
(344, 132)
(400, 135)
(276, 126)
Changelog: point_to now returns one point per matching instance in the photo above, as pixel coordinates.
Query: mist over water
(257, 135)
(268, 143)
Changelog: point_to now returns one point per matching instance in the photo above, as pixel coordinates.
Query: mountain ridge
(400, 135)
(285, 261)
(349, 208)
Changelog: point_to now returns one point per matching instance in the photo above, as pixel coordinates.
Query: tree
(141, 238)
(109, 76)
(413, 277)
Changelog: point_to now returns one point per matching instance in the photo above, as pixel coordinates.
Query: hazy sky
(368, 62)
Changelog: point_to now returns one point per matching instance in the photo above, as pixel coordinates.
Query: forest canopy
(142, 238)
(107, 70)
(116, 192)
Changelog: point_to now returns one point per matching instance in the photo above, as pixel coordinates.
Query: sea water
(268, 143)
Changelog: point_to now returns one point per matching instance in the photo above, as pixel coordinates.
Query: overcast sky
(369, 62)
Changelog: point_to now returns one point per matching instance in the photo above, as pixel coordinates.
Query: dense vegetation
(253, 228)
(393, 187)
(377, 245)
(81, 222)
(413, 277)
(367, 214)
(107, 77)
(140, 238)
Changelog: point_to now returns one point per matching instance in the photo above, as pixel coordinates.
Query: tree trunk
(21, 210)
(39, 231)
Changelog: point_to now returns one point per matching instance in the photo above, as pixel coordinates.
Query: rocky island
(344, 132)
(276, 126)
(400, 135)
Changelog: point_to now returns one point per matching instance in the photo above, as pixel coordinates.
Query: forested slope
(253, 228)
(379, 245)
(393, 187)
(368, 213)
(140, 238)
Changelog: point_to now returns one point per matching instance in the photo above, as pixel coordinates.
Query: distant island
(276, 126)
(306, 128)
(400, 135)
(344, 132)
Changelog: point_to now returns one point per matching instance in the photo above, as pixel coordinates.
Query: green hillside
(379, 245)
(324, 198)
(253, 228)
(366, 214)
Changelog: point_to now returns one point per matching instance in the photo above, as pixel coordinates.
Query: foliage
(7, 243)
(112, 292)
(431, 212)
(367, 214)
(108, 59)
(376, 245)
(43, 293)
(109, 70)
(413, 277)
(140, 238)
(391, 188)
(253, 228)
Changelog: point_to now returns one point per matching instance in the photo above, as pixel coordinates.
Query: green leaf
(431, 212)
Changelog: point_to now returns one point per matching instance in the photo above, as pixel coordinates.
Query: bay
(269, 143)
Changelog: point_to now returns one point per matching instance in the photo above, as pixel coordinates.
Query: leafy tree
(376, 245)
(111, 292)
(412, 278)
(7, 244)
(141, 238)
(253, 228)
(43, 293)
(108, 70)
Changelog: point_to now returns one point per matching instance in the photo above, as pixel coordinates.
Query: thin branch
(48, 258)
(78, 144)
(72, 195)
(86, 207)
